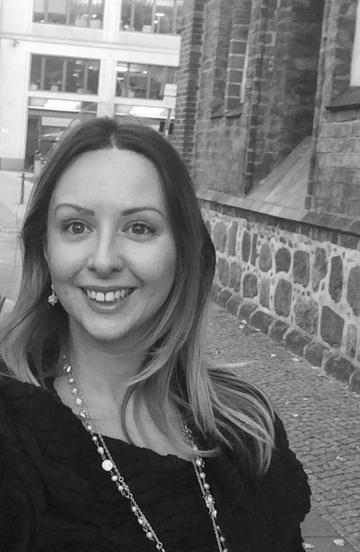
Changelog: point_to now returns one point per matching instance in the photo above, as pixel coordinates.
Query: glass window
(122, 79)
(143, 81)
(164, 17)
(155, 16)
(64, 74)
(143, 15)
(53, 74)
(35, 73)
(138, 81)
(82, 13)
(39, 11)
(56, 11)
(158, 79)
(92, 76)
(160, 76)
(86, 13)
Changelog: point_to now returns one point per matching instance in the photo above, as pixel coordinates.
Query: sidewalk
(11, 216)
(322, 419)
(321, 416)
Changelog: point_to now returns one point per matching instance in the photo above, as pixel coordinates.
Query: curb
(330, 360)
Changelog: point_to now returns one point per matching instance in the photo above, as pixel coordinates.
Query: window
(64, 74)
(151, 16)
(143, 81)
(82, 13)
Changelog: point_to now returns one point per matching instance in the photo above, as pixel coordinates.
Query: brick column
(188, 78)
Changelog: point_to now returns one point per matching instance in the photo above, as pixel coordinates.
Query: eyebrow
(130, 211)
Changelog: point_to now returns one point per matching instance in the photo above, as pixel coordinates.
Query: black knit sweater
(55, 497)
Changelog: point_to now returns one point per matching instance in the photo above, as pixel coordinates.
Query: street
(321, 415)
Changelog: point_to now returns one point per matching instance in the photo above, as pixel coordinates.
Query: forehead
(110, 176)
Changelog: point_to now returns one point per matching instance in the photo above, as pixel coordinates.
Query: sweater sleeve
(291, 494)
(19, 488)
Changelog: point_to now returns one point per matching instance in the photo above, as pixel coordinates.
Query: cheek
(62, 262)
(163, 267)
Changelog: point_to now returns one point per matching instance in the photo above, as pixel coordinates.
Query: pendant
(107, 465)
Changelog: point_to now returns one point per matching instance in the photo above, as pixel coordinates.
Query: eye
(140, 229)
(76, 227)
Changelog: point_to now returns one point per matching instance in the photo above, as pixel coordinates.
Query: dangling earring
(52, 299)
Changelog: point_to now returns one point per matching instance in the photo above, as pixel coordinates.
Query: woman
(115, 434)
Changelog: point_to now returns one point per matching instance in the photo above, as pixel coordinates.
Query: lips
(108, 296)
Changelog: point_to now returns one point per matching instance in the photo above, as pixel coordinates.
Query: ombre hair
(222, 409)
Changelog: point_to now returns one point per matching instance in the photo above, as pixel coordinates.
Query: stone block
(246, 246)
(265, 292)
(235, 272)
(353, 290)
(320, 267)
(223, 271)
(265, 258)
(277, 330)
(219, 236)
(297, 341)
(351, 340)
(282, 298)
(301, 269)
(315, 353)
(250, 285)
(223, 297)
(339, 367)
(233, 304)
(331, 327)
(336, 280)
(307, 314)
(232, 239)
(254, 250)
(262, 320)
(282, 260)
(246, 309)
(354, 381)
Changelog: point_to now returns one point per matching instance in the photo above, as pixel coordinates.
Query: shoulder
(286, 483)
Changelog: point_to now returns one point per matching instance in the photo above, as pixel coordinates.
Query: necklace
(108, 465)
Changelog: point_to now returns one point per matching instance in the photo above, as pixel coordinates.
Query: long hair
(222, 409)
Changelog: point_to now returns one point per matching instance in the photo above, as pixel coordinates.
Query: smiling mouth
(108, 296)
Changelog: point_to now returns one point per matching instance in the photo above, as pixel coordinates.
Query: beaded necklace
(108, 465)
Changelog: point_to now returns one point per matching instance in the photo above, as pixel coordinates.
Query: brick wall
(188, 78)
(335, 179)
(234, 150)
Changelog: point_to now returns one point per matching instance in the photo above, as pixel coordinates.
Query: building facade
(64, 59)
(268, 120)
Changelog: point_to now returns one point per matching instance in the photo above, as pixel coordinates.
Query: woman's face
(110, 248)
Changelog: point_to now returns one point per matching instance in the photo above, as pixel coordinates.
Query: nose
(106, 256)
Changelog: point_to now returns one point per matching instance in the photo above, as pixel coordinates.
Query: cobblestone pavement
(321, 415)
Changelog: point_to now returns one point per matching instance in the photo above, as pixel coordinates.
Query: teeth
(109, 296)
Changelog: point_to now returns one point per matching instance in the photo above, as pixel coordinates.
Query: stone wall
(296, 282)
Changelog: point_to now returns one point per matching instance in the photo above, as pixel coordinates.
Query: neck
(103, 370)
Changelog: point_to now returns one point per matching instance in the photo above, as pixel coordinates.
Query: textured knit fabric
(55, 497)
